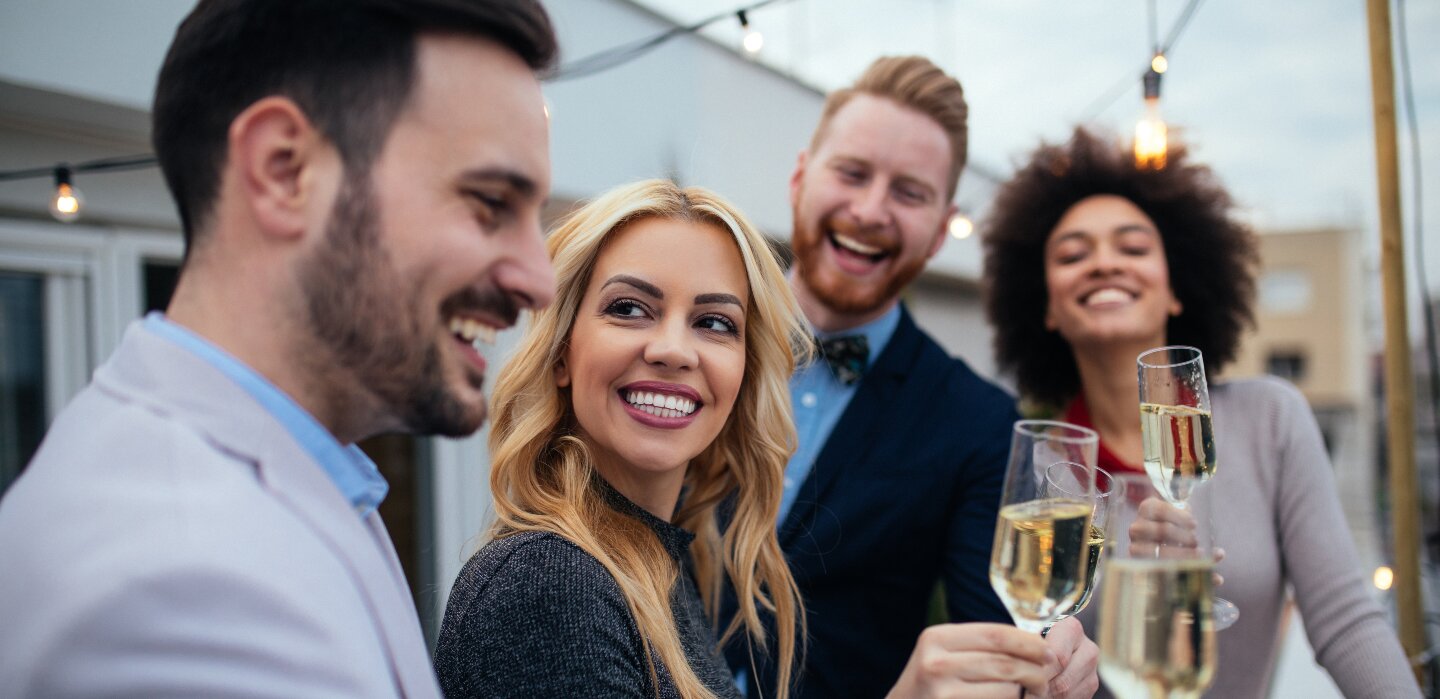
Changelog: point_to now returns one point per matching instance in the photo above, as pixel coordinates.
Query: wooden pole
(1399, 380)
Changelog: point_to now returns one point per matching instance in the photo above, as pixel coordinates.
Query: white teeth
(473, 331)
(661, 404)
(856, 246)
(1107, 295)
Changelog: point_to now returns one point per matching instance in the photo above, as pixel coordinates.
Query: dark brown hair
(916, 83)
(348, 64)
(1211, 256)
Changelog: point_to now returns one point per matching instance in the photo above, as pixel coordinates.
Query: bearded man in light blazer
(359, 183)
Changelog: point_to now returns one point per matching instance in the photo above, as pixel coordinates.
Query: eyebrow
(703, 299)
(520, 183)
(1127, 228)
(636, 282)
(652, 290)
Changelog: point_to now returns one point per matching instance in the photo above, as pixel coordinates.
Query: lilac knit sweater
(1281, 524)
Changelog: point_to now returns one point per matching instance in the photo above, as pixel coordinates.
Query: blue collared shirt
(819, 399)
(348, 467)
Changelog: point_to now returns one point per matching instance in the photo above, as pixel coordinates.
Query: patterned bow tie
(846, 356)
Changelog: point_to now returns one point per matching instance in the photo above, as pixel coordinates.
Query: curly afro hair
(1212, 257)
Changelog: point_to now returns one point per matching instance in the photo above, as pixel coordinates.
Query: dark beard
(843, 298)
(365, 321)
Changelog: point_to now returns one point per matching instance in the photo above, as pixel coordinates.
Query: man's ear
(278, 157)
(797, 176)
(944, 231)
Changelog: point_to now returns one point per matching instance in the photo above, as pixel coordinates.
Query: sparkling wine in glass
(1175, 421)
(1156, 627)
(1179, 434)
(1064, 479)
(1038, 563)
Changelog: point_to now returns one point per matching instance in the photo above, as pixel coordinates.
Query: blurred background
(1275, 97)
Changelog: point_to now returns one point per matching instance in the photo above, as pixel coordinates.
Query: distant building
(1310, 330)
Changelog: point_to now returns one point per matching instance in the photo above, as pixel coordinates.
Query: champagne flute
(1038, 560)
(1178, 432)
(1063, 480)
(1156, 629)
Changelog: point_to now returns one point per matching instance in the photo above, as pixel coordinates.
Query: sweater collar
(675, 539)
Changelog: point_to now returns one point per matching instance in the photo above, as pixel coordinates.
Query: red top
(1079, 414)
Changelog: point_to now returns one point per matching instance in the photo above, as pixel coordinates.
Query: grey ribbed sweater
(1280, 522)
(533, 615)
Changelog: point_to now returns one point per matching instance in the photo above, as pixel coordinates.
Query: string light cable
(1407, 94)
(1107, 98)
(620, 55)
(67, 202)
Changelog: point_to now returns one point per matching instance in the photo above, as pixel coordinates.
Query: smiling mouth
(660, 404)
(1107, 296)
(472, 332)
(846, 244)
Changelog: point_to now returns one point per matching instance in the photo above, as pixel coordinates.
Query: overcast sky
(1275, 96)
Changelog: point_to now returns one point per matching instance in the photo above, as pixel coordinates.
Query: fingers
(978, 660)
(1080, 679)
(1078, 656)
(1163, 530)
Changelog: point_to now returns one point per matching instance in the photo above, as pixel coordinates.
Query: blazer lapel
(191, 391)
(859, 430)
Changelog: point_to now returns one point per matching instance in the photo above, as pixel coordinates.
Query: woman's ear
(562, 374)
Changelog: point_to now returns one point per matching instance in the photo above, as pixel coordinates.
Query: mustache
(489, 301)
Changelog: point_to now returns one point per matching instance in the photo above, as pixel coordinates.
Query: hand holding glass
(1179, 434)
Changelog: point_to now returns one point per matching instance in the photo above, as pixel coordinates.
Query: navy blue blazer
(905, 492)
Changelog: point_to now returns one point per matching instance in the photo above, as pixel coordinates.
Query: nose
(1106, 259)
(869, 205)
(672, 345)
(529, 278)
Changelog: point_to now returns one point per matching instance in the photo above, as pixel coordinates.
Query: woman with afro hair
(1090, 260)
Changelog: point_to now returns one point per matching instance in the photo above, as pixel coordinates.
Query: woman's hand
(980, 661)
(1163, 530)
(1079, 658)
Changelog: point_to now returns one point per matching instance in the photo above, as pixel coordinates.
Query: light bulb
(1150, 137)
(1159, 64)
(754, 41)
(66, 204)
(1384, 578)
(961, 226)
(1150, 140)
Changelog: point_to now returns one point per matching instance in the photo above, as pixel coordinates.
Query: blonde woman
(649, 393)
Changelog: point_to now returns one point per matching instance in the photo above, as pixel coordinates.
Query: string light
(961, 226)
(1384, 578)
(1159, 63)
(65, 205)
(754, 40)
(1150, 132)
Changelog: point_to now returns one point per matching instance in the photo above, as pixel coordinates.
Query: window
(1286, 364)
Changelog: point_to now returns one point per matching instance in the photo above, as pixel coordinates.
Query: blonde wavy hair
(541, 472)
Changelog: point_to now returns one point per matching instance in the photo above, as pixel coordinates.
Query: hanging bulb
(1159, 63)
(65, 205)
(961, 226)
(1150, 137)
(754, 40)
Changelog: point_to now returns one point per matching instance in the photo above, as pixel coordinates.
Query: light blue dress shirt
(819, 399)
(348, 467)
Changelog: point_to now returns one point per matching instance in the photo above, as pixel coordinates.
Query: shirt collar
(359, 481)
(876, 332)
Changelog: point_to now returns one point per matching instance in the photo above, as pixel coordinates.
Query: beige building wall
(1308, 316)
